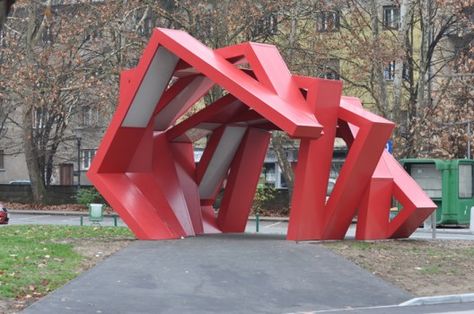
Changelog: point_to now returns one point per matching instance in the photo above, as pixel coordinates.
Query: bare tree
(51, 68)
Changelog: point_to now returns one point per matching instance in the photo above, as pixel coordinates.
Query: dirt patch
(61, 207)
(424, 268)
(11, 306)
(93, 250)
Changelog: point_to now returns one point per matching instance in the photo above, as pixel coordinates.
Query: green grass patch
(355, 245)
(34, 262)
(469, 252)
(432, 270)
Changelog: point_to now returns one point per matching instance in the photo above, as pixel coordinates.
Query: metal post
(471, 221)
(433, 225)
(430, 40)
(78, 162)
(468, 139)
(257, 223)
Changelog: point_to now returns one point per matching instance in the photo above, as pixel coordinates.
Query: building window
(90, 116)
(2, 159)
(87, 155)
(329, 69)
(3, 39)
(93, 34)
(327, 21)
(389, 71)
(267, 25)
(269, 172)
(406, 71)
(391, 17)
(40, 116)
(47, 36)
(144, 22)
(146, 26)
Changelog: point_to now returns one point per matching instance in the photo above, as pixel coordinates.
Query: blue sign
(389, 146)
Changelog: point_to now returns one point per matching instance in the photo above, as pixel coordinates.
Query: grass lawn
(422, 267)
(36, 259)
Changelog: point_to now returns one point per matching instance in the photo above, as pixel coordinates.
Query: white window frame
(329, 69)
(47, 36)
(324, 18)
(90, 116)
(40, 115)
(391, 16)
(87, 155)
(389, 71)
(2, 159)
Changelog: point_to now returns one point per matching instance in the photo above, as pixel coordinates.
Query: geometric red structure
(145, 165)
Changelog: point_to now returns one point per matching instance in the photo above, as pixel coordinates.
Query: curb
(440, 299)
(53, 213)
(268, 218)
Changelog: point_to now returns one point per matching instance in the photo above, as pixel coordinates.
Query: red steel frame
(145, 165)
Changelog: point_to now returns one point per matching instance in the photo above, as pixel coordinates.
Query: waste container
(96, 213)
(449, 183)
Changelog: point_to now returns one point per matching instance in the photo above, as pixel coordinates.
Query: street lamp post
(469, 139)
(78, 139)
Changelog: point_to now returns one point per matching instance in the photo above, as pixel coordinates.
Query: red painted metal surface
(145, 164)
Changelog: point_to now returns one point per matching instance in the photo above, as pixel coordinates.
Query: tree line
(411, 62)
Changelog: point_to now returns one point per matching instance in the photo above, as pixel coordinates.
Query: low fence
(57, 194)
(66, 194)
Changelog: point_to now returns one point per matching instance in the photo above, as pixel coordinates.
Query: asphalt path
(229, 273)
(246, 273)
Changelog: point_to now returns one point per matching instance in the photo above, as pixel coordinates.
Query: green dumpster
(449, 183)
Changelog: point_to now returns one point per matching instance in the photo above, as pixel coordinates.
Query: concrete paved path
(221, 274)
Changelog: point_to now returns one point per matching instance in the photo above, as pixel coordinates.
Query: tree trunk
(31, 158)
(423, 96)
(285, 165)
(378, 68)
(31, 153)
(278, 138)
(406, 14)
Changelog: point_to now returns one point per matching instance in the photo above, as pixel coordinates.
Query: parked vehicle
(20, 182)
(3, 215)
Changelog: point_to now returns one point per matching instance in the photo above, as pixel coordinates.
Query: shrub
(86, 196)
(263, 196)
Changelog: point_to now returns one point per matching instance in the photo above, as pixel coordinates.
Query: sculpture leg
(242, 181)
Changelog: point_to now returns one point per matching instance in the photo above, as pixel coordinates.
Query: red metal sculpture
(145, 165)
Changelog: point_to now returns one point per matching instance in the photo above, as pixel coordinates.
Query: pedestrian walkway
(221, 274)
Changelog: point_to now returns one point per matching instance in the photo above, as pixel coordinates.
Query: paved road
(221, 274)
(265, 227)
